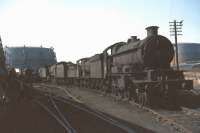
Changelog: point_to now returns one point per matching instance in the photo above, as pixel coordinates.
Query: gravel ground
(116, 108)
(188, 117)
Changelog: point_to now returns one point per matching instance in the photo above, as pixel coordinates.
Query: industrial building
(29, 57)
(188, 55)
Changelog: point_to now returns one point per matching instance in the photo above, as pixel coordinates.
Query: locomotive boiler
(154, 52)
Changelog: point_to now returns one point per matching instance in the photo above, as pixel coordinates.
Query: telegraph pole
(175, 30)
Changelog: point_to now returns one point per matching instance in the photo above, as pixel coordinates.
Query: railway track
(58, 106)
(184, 121)
(56, 114)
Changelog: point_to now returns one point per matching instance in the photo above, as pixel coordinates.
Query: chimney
(152, 30)
(132, 39)
(128, 41)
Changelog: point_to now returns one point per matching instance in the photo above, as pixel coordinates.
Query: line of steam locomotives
(137, 70)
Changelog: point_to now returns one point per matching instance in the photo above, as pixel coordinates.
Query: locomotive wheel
(113, 91)
(118, 93)
(127, 95)
(142, 99)
(154, 97)
(97, 85)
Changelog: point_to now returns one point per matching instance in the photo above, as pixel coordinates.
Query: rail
(84, 108)
(62, 120)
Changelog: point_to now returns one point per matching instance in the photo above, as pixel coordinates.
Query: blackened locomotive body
(136, 69)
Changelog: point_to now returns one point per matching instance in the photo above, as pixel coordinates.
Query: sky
(82, 28)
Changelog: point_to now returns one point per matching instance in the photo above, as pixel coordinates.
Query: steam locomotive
(135, 70)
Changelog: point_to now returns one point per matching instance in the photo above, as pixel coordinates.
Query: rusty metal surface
(63, 70)
(72, 71)
(96, 66)
(42, 72)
